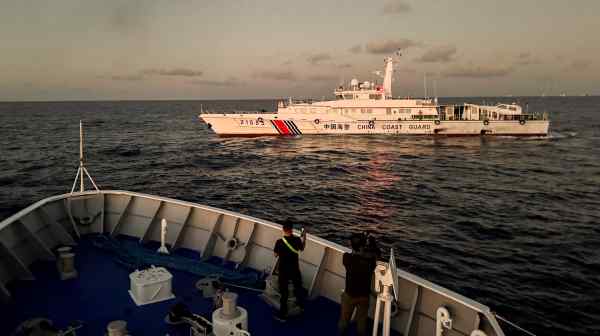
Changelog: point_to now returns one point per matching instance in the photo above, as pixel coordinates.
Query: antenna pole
(81, 171)
(425, 84)
(81, 166)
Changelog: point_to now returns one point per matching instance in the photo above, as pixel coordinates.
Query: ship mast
(387, 77)
(82, 170)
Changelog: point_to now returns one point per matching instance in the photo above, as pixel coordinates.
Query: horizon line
(272, 98)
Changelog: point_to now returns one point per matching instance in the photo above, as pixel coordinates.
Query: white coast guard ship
(369, 108)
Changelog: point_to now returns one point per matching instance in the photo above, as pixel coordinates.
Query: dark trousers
(349, 303)
(284, 280)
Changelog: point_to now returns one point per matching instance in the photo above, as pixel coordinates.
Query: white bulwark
(369, 108)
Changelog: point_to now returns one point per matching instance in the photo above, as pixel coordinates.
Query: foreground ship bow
(368, 108)
(94, 258)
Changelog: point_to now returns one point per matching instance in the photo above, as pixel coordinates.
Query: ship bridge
(362, 91)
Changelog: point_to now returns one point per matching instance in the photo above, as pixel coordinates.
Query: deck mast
(387, 77)
(82, 170)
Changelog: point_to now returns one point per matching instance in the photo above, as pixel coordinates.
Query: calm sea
(511, 222)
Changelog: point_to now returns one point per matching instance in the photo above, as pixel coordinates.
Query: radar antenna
(82, 170)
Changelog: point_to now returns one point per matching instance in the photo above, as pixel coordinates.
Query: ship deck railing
(508, 117)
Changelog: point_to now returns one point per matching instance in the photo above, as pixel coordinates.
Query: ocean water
(510, 222)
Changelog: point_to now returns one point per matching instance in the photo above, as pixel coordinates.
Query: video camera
(366, 244)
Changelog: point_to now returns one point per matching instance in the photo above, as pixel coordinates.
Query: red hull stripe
(281, 127)
(274, 125)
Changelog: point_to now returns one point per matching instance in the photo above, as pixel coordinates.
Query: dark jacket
(288, 259)
(359, 272)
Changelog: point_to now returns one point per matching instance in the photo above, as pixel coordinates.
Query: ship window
(348, 96)
(338, 97)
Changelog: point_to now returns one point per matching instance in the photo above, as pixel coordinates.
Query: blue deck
(100, 295)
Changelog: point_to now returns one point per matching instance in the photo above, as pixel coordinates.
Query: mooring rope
(514, 325)
(133, 255)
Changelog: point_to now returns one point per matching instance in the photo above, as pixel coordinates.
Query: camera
(366, 244)
(371, 246)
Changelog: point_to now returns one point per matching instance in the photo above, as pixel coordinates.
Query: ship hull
(29, 239)
(246, 125)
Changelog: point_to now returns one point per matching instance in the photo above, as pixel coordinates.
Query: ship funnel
(387, 77)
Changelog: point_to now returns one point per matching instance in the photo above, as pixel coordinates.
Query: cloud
(315, 59)
(390, 46)
(580, 64)
(229, 82)
(131, 16)
(142, 74)
(344, 66)
(323, 77)
(440, 54)
(357, 49)
(478, 71)
(172, 72)
(526, 58)
(135, 77)
(275, 75)
(396, 7)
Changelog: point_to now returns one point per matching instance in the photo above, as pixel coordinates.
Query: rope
(514, 325)
(134, 256)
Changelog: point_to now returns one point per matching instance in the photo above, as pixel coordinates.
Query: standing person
(288, 249)
(360, 265)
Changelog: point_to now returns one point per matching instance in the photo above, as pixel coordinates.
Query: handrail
(403, 274)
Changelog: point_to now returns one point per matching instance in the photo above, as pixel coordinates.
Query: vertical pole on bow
(81, 167)
(81, 171)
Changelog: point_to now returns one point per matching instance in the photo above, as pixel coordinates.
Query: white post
(376, 317)
(163, 237)
(386, 281)
(387, 312)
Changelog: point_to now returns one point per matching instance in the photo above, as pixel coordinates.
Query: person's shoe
(280, 317)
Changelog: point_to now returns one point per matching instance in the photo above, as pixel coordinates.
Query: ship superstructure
(369, 108)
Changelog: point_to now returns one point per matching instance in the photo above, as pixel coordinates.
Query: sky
(238, 49)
